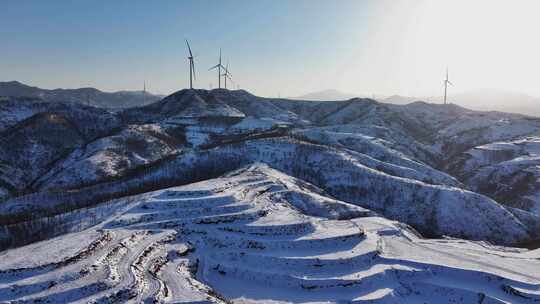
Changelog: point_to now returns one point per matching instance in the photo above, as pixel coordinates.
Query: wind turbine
(191, 66)
(218, 66)
(446, 83)
(227, 74)
(144, 93)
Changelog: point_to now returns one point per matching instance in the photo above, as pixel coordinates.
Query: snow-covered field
(256, 236)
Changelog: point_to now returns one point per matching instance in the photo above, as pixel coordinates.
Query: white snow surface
(380, 152)
(507, 167)
(108, 157)
(256, 124)
(246, 238)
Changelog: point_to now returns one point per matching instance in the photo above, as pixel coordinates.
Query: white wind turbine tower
(191, 66)
(218, 66)
(446, 83)
(227, 75)
(144, 93)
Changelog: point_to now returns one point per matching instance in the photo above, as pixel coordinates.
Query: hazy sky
(274, 46)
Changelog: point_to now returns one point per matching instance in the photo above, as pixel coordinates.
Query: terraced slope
(257, 236)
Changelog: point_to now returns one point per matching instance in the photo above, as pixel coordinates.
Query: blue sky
(117, 44)
(274, 46)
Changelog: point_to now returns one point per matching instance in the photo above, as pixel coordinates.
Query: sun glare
(484, 43)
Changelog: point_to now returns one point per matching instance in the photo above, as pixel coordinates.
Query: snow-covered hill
(401, 193)
(337, 195)
(507, 171)
(35, 136)
(258, 236)
(386, 151)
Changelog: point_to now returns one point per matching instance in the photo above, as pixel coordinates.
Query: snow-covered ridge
(508, 171)
(246, 238)
(380, 156)
(433, 209)
(282, 202)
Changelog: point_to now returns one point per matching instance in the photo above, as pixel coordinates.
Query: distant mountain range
(326, 95)
(482, 99)
(91, 96)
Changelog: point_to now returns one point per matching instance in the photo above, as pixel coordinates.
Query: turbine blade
(214, 67)
(224, 68)
(450, 83)
(189, 48)
(227, 69)
(193, 67)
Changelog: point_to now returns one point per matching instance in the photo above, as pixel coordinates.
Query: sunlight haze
(275, 48)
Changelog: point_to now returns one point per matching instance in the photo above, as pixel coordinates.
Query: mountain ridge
(480, 100)
(183, 199)
(87, 95)
(394, 145)
(328, 94)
